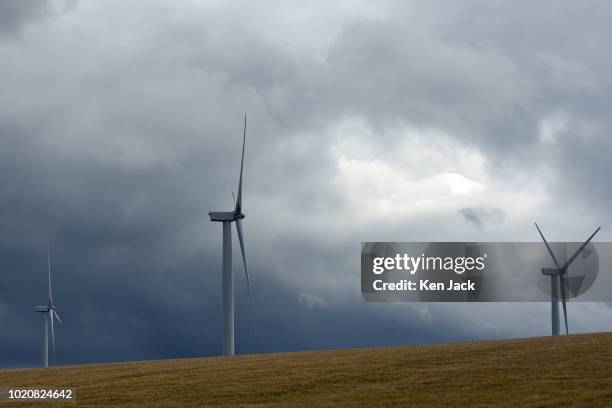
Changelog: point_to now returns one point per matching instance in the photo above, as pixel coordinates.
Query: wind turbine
(48, 315)
(227, 217)
(558, 278)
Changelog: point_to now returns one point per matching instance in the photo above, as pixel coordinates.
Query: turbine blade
(573, 258)
(238, 208)
(563, 301)
(52, 334)
(246, 272)
(552, 254)
(57, 317)
(49, 269)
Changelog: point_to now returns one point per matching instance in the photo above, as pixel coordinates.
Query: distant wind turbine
(48, 315)
(227, 217)
(558, 278)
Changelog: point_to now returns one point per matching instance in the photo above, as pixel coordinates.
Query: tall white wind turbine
(558, 282)
(227, 217)
(48, 315)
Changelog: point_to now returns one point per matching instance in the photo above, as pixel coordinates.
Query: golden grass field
(567, 371)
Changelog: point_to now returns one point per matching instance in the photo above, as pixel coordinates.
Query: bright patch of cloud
(424, 172)
(551, 126)
(312, 301)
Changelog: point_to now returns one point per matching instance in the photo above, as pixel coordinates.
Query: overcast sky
(120, 128)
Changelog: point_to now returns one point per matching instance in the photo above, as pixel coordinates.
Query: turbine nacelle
(223, 216)
(551, 271)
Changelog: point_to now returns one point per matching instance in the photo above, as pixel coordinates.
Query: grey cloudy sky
(120, 127)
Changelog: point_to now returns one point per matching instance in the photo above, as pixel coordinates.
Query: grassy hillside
(541, 372)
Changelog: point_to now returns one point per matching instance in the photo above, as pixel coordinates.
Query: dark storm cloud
(558, 47)
(15, 13)
(449, 85)
(480, 216)
(117, 138)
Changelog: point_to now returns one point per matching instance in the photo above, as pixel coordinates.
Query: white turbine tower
(48, 314)
(227, 217)
(558, 278)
